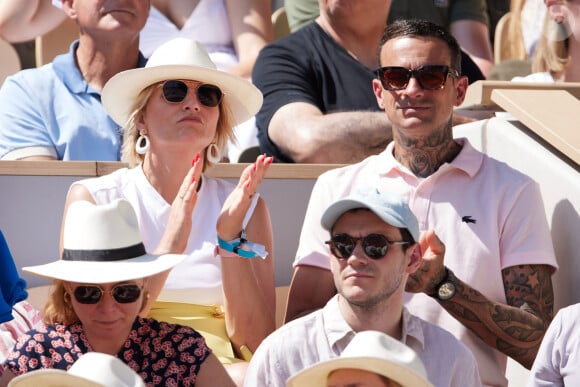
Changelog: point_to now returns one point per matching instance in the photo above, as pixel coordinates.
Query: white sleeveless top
(200, 271)
(208, 24)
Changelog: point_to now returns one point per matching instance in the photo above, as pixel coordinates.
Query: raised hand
(176, 235)
(432, 270)
(229, 223)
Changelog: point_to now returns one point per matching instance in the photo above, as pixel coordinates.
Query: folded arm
(307, 135)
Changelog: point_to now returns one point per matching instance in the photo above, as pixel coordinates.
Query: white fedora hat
(180, 58)
(102, 244)
(369, 351)
(92, 369)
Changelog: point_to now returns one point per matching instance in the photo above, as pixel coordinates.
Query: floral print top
(161, 353)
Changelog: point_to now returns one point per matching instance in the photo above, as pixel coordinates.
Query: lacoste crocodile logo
(468, 219)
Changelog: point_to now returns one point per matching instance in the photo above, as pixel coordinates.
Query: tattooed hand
(432, 269)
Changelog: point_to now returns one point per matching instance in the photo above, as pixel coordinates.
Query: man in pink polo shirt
(486, 273)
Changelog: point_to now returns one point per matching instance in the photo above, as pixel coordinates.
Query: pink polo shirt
(489, 216)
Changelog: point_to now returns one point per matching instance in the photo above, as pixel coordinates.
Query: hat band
(104, 255)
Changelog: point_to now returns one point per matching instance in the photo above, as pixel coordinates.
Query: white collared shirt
(324, 334)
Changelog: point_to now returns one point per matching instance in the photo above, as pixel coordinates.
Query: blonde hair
(513, 47)
(552, 52)
(224, 130)
(58, 308)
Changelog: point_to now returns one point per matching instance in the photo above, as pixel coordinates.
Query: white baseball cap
(391, 207)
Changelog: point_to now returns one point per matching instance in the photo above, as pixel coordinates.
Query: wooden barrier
(33, 193)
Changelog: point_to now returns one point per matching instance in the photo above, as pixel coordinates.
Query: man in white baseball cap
(373, 250)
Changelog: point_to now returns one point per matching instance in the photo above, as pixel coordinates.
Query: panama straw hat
(369, 351)
(102, 244)
(180, 58)
(92, 369)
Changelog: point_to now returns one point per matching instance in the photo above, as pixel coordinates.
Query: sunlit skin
(107, 323)
(566, 12)
(175, 126)
(415, 109)
(121, 16)
(351, 377)
(421, 118)
(365, 282)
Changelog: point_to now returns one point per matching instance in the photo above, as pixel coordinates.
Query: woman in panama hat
(100, 286)
(178, 113)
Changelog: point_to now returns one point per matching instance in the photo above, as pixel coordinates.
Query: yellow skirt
(208, 320)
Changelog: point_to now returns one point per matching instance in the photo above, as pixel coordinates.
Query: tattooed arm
(516, 328)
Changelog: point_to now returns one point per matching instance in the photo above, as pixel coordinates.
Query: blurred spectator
(232, 31)
(17, 316)
(54, 112)
(557, 363)
(557, 55)
(467, 20)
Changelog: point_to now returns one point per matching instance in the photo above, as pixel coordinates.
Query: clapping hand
(229, 224)
(176, 235)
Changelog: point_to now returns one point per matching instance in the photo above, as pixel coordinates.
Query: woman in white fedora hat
(100, 286)
(178, 113)
(371, 359)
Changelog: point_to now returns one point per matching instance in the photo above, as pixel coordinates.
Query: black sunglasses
(429, 77)
(92, 294)
(175, 91)
(375, 246)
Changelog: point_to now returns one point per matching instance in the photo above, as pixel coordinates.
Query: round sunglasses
(92, 294)
(375, 246)
(175, 91)
(432, 77)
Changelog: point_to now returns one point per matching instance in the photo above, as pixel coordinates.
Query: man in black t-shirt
(319, 105)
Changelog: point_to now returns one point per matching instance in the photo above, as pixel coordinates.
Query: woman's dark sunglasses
(92, 294)
(428, 77)
(175, 91)
(375, 246)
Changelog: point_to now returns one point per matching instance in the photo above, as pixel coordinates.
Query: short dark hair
(417, 27)
(407, 237)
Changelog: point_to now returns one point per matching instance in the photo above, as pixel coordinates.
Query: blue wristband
(235, 247)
